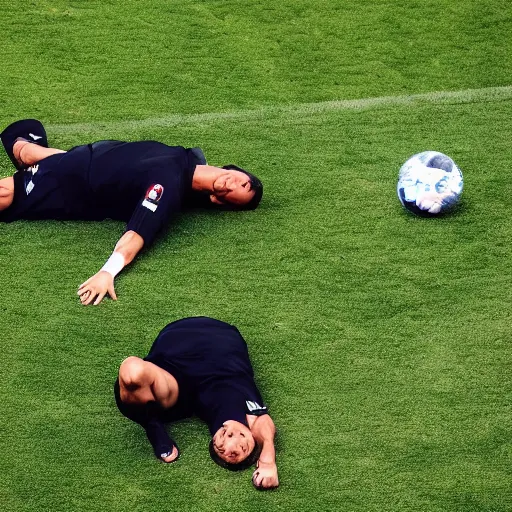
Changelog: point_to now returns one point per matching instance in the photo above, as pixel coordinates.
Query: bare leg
(29, 154)
(135, 382)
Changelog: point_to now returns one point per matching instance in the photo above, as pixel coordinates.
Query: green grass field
(381, 341)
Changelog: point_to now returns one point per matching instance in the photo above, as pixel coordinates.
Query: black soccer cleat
(30, 130)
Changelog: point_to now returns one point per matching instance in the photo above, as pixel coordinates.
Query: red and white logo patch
(153, 196)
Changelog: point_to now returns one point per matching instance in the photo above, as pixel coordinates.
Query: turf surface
(381, 341)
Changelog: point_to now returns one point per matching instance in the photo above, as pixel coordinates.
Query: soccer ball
(429, 184)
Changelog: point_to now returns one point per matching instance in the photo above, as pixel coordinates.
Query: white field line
(301, 109)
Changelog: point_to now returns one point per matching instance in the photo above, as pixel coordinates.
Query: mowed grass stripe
(412, 100)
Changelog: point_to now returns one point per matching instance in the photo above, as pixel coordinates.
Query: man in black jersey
(142, 183)
(200, 366)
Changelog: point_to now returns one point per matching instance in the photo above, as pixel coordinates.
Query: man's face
(232, 187)
(233, 442)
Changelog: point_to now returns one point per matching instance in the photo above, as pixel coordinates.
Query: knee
(16, 149)
(131, 372)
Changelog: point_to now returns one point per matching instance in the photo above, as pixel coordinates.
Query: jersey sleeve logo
(153, 196)
(255, 408)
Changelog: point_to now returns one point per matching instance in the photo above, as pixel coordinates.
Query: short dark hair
(256, 185)
(249, 461)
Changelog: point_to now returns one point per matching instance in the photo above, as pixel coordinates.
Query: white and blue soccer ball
(429, 184)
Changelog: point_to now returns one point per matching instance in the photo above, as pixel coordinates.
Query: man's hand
(265, 475)
(96, 287)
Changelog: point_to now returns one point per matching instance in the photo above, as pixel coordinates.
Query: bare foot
(170, 457)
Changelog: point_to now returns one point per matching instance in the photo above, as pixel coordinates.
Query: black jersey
(142, 183)
(210, 362)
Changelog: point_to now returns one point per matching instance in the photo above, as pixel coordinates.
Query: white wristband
(114, 264)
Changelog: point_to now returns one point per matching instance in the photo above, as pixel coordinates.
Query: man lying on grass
(142, 183)
(200, 366)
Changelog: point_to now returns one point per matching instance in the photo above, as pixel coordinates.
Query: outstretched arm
(151, 213)
(96, 287)
(265, 475)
